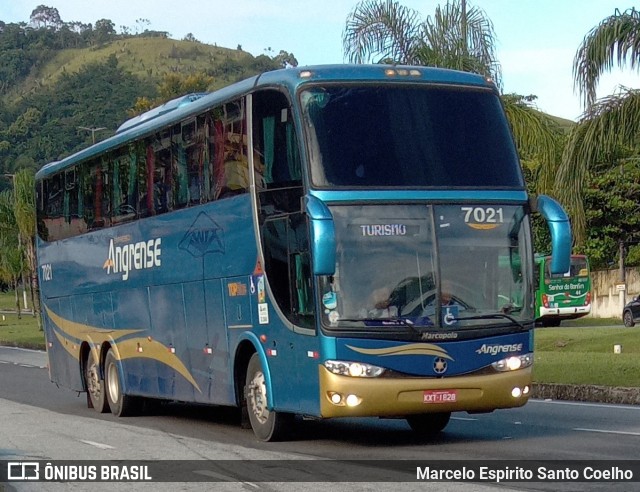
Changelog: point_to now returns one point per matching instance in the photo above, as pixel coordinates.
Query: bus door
(284, 235)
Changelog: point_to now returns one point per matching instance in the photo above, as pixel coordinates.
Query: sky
(536, 39)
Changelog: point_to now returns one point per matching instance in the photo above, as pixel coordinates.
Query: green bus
(565, 295)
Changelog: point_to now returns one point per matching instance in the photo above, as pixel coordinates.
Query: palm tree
(608, 125)
(455, 38)
(12, 263)
(25, 214)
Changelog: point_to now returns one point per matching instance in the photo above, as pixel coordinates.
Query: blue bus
(330, 241)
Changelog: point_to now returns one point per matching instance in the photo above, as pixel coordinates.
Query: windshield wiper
(494, 316)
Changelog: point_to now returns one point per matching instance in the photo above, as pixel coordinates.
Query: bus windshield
(408, 136)
(448, 266)
(579, 268)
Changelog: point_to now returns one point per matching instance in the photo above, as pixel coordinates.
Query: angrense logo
(498, 349)
(133, 256)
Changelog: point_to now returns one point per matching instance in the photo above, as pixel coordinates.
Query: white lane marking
(464, 418)
(97, 444)
(20, 364)
(587, 404)
(602, 431)
(25, 350)
(225, 478)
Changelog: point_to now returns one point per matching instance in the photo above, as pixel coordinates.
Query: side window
(288, 266)
(52, 207)
(193, 140)
(42, 226)
(125, 185)
(276, 145)
(73, 203)
(180, 181)
(231, 168)
(163, 180)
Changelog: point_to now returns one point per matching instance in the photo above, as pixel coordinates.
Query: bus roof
(184, 107)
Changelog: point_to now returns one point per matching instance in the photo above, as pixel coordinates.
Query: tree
(104, 31)
(612, 212)
(12, 263)
(43, 16)
(608, 125)
(174, 85)
(456, 38)
(285, 59)
(25, 214)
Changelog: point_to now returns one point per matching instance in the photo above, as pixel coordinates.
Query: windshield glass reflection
(387, 267)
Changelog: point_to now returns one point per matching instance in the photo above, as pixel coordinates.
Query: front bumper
(391, 397)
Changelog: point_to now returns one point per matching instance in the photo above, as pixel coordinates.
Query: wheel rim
(257, 397)
(93, 380)
(112, 383)
(627, 318)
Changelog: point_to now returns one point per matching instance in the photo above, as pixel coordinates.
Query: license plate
(439, 396)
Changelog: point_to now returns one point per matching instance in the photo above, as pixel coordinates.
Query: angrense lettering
(499, 349)
(133, 256)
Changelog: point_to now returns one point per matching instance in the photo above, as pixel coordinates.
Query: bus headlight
(353, 369)
(513, 363)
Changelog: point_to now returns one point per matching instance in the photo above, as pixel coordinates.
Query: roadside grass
(574, 355)
(616, 370)
(579, 352)
(8, 300)
(20, 332)
(586, 321)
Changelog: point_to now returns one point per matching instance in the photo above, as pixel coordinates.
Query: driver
(382, 307)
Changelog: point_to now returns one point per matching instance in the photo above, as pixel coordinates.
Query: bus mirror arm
(560, 229)
(323, 236)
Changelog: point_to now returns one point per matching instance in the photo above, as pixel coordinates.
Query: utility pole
(93, 131)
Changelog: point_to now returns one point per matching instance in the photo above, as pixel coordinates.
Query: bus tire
(96, 398)
(267, 425)
(121, 405)
(428, 424)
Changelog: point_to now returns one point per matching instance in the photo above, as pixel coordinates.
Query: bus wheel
(428, 424)
(121, 405)
(267, 425)
(95, 386)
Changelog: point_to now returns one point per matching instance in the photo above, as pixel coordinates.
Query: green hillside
(563, 123)
(54, 83)
(149, 58)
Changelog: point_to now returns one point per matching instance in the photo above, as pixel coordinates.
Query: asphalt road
(40, 421)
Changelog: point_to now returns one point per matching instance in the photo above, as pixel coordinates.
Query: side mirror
(560, 229)
(323, 237)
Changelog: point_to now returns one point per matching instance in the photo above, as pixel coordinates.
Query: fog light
(353, 400)
(525, 391)
(516, 392)
(336, 398)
